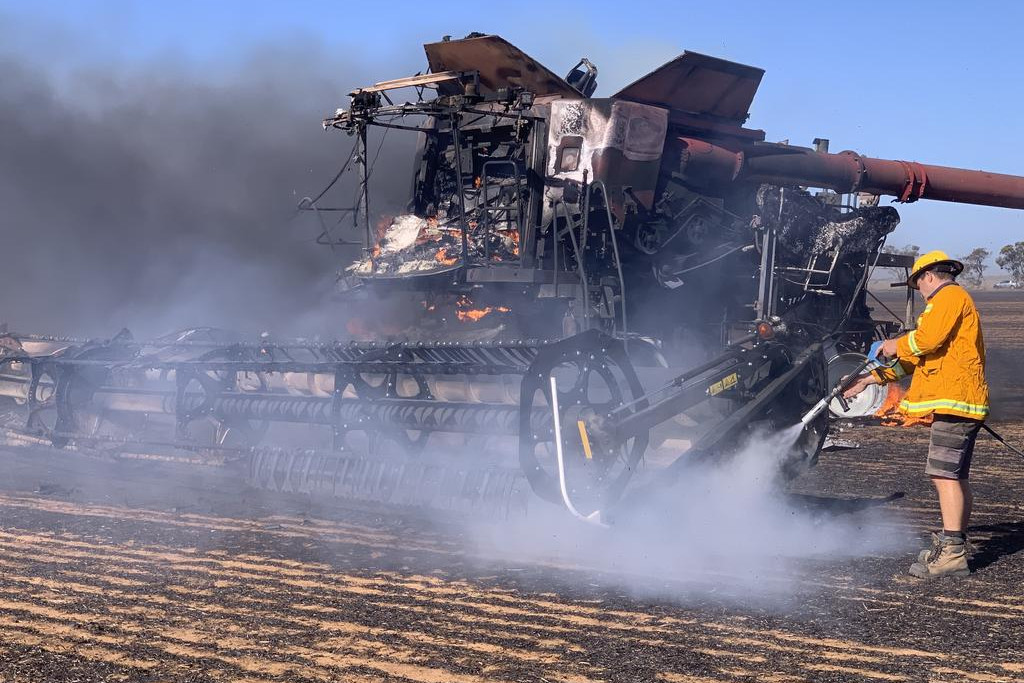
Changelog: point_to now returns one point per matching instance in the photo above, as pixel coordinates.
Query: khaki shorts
(951, 447)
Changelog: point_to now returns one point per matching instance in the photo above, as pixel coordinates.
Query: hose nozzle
(817, 410)
(841, 386)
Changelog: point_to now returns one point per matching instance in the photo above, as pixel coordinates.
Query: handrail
(577, 249)
(599, 184)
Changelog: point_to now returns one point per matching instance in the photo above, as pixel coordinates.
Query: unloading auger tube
(446, 425)
(706, 164)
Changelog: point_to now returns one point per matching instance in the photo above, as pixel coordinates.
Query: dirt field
(134, 572)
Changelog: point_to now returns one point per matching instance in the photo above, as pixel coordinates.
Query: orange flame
(442, 257)
(466, 314)
(509, 236)
(891, 414)
(475, 314)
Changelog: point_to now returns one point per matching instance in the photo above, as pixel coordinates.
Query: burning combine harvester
(605, 289)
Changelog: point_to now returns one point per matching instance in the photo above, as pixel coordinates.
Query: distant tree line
(974, 267)
(1010, 259)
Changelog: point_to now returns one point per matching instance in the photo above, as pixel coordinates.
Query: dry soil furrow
(295, 528)
(428, 585)
(711, 638)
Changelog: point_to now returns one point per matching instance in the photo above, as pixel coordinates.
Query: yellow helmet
(931, 260)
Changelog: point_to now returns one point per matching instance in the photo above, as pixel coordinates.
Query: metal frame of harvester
(645, 250)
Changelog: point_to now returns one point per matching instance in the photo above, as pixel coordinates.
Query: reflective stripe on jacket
(946, 356)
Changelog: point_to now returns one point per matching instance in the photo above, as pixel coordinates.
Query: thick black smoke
(154, 197)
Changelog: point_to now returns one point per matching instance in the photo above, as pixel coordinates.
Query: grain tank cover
(500, 63)
(699, 84)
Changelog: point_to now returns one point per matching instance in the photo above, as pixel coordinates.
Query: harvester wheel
(594, 377)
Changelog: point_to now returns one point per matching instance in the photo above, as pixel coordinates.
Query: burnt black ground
(148, 572)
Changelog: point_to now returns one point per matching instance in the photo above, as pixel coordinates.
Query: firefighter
(945, 355)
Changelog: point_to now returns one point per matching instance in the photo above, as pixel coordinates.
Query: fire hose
(995, 435)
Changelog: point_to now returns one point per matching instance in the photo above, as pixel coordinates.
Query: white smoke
(727, 527)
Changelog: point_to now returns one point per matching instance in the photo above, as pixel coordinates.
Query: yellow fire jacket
(946, 356)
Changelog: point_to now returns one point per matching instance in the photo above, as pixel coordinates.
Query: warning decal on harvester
(727, 382)
(586, 441)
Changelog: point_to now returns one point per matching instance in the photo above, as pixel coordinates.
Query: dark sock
(959, 535)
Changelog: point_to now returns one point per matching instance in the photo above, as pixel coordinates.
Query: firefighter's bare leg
(955, 500)
(968, 504)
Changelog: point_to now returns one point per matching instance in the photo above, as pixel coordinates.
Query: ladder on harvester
(505, 214)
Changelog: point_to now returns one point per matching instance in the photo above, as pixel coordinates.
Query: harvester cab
(538, 211)
(641, 270)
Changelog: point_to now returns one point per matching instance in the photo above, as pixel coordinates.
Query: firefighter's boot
(922, 556)
(946, 557)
